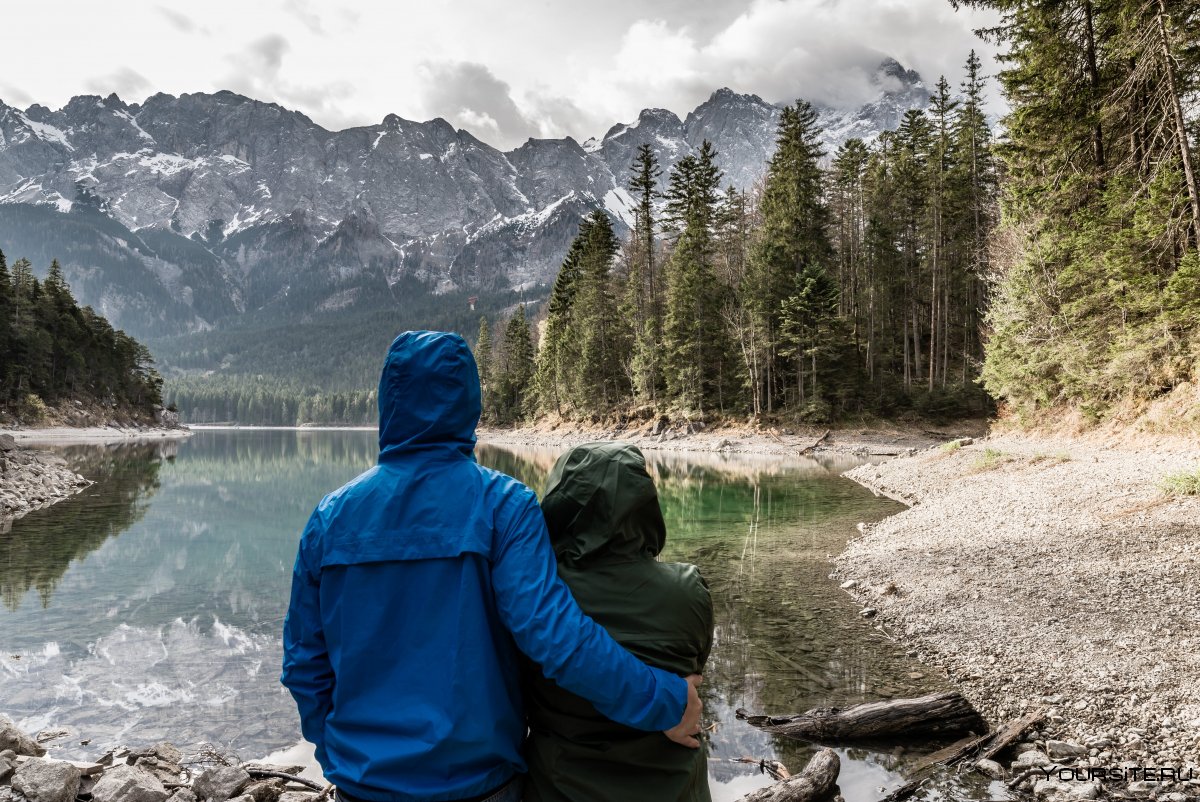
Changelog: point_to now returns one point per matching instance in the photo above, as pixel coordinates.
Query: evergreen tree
(7, 356)
(51, 350)
(483, 360)
(794, 234)
(699, 368)
(808, 329)
(559, 350)
(603, 344)
(643, 301)
(515, 371)
(1096, 298)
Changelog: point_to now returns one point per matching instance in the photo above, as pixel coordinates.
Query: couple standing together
(435, 642)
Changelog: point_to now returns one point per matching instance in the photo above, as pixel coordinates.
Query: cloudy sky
(504, 70)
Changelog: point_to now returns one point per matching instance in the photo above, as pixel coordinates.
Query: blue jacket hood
(428, 395)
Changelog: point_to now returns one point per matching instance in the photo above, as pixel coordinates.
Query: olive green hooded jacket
(606, 528)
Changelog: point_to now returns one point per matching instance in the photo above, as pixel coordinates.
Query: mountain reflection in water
(150, 607)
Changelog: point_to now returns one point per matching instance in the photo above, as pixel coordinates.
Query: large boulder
(129, 784)
(221, 783)
(12, 738)
(47, 781)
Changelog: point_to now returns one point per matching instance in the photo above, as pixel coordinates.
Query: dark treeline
(52, 350)
(269, 401)
(1098, 299)
(845, 284)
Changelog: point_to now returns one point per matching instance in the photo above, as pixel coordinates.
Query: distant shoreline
(68, 435)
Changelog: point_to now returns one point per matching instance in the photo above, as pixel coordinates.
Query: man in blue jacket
(414, 588)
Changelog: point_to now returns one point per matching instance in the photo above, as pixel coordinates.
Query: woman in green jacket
(607, 529)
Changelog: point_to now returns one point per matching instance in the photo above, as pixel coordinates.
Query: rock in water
(129, 784)
(47, 781)
(12, 738)
(220, 783)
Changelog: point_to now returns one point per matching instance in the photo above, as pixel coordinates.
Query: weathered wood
(261, 774)
(936, 713)
(772, 768)
(815, 443)
(985, 746)
(815, 783)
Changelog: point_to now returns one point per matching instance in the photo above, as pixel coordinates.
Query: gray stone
(8, 443)
(220, 783)
(47, 781)
(183, 795)
(1029, 759)
(12, 738)
(991, 768)
(129, 784)
(1084, 791)
(1050, 788)
(264, 790)
(1061, 749)
(296, 796)
(7, 767)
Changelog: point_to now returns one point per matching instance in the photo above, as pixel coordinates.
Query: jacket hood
(600, 503)
(428, 394)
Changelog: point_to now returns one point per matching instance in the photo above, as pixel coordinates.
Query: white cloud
(565, 68)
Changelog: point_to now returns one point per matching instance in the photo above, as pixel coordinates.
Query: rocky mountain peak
(213, 204)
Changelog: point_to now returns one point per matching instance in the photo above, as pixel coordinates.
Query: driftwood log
(937, 713)
(984, 747)
(815, 783)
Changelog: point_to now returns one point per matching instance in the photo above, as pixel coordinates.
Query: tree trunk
(1185, 156)
(935, 713)
(815, 783)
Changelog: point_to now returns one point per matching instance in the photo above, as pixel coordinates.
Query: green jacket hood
(600, 504)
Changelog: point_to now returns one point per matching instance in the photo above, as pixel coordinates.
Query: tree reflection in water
(38, 549)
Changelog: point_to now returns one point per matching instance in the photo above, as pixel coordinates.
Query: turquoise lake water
(150, 606)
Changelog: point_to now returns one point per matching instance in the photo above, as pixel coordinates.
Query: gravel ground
(1048, 572)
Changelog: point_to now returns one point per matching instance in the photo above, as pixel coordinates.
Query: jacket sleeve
(307, 672)
(573, 650)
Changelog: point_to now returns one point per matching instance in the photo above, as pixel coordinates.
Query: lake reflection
(150, 607)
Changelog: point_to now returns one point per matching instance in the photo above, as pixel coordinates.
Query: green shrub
(1183, 483)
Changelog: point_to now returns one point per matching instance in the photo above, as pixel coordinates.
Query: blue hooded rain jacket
(414, 588)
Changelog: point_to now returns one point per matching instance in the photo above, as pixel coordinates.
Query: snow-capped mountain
(182, 212)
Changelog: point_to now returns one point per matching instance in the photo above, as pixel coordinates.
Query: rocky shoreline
(160, 773)
(1053, 574)
(30, 480)
(661, 433)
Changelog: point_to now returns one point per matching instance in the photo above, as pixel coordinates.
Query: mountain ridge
(226, 205)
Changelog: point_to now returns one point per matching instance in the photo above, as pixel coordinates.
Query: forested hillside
(53, 352)
(846, 283)
(1098, 298)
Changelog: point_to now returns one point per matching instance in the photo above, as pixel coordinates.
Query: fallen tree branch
(936, 713)
(815, 783)
(985, 746)
(261, 774)
(773, 768)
